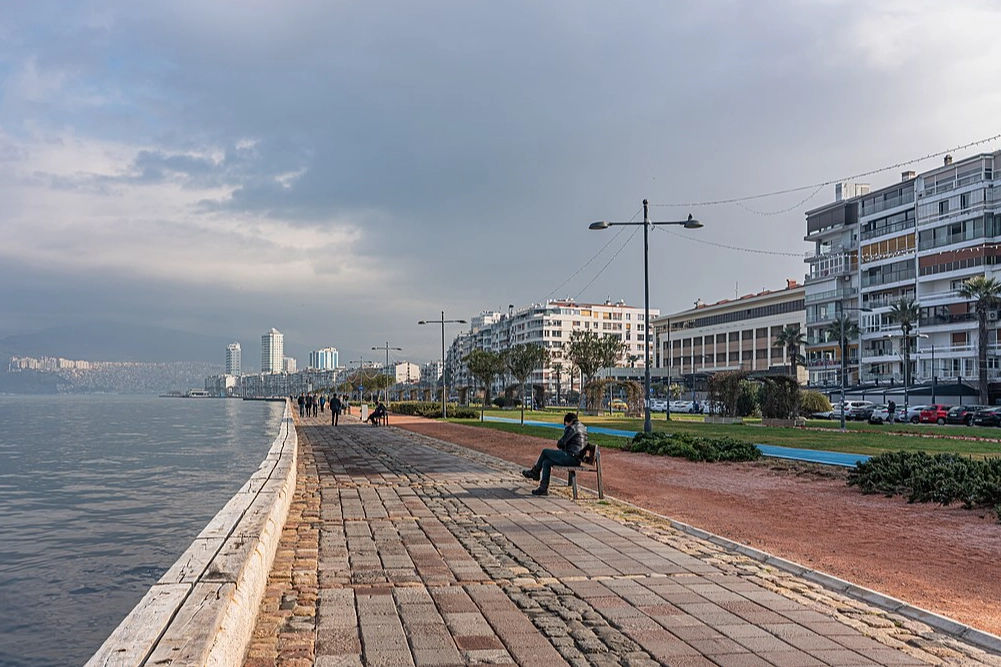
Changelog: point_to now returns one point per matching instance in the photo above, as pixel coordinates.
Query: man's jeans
(548, 459)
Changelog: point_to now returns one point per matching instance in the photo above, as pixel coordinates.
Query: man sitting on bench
(567, 453)
(377, 414)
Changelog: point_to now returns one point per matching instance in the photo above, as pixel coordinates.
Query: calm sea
(99, 495)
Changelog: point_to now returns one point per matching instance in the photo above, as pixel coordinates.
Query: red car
(935, 414)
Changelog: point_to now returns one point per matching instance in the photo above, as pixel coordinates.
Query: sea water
(99, 495)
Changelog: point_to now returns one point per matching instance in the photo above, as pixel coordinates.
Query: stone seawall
(202, 611)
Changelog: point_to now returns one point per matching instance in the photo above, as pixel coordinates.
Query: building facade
(731, 334)
(272, 351)
(918, 239)
(325, 359)
(233, 361)
(549, 325)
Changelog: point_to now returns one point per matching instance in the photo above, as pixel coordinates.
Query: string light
(594, 257)
(730, 247)
(612, 259)
(818, 186)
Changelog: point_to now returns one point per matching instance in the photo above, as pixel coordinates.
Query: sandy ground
(944, 559)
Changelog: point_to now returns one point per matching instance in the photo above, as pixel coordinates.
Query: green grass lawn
(860, 438)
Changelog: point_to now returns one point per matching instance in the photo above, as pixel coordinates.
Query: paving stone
(403, 550)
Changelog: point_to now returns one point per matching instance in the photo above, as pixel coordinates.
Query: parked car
(618, 404)
(912, 414)
(988, 417)
(684, 406)
(857, 409)
(658, 405)
(878, 414)
(934, 414)
(963, 414)
(826, 414)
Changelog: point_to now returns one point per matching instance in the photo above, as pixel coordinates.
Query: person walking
(302, 405)
(323, 401)
(335, 409)
(567, 453)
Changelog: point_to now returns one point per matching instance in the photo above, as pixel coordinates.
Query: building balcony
(831, 295)
(835, 249)
(886, 205)
(826, 364)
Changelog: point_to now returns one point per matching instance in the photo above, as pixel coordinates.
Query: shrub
(747, 399)
(695, 447)
(431, 410)
(779, 397)
(813, 401)
(939, 478)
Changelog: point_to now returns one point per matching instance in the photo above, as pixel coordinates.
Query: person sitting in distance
(567, 453)
(377, 414)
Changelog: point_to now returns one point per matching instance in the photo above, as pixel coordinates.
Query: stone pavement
(403, 550)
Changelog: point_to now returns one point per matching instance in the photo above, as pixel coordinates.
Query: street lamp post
(841, 344)
(444, 386)
(933, 379)
(690, 223)
(387, 348)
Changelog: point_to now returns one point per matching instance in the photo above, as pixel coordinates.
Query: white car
(684, 406)
(658, 405)
(911, 414)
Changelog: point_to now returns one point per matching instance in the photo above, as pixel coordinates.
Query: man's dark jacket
(574, 438)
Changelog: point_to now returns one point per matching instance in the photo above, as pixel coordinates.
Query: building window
(943, 207)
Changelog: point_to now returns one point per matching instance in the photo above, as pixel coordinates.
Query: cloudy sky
(340, 170)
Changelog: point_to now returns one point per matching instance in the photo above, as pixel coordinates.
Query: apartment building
(272, 351)
(325, 359)
(731, 334)
(233, 359)
(549, 325)
(919, 239)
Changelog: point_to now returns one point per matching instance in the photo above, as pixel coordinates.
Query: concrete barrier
(203, 610)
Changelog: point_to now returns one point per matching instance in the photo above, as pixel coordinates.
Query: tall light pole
(841, 344)
(444, 386)
(933, 383)
(385, 392)
(690, 223)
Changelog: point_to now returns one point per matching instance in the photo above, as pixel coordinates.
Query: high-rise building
(233, 359)
(325, 359)
(288, 365)
(912, 242)
(272, 351)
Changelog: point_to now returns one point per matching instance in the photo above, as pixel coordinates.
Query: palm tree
(849, 328)
(987, 294)
(791, 338)
(905, 312)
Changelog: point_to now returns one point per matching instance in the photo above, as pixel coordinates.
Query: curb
(203, 609)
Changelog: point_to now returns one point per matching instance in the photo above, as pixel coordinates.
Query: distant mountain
(111, 341)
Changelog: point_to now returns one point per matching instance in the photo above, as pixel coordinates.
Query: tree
(905, 312)
(849, 327)
(485, 366)
(779, 397)
(591, 352)
(791, 339)
(522, 360)
(986, 292)
(558, 369)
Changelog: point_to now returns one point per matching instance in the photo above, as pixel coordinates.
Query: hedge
(431, 410)
(925, 478)
(695, 447)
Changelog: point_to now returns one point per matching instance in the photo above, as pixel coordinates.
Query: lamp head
(692, 223)
(462, 321)
(601, 224)
(422, 322)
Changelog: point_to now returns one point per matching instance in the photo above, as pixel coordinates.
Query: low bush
(431, 410)
(695, 447)
(939, 478)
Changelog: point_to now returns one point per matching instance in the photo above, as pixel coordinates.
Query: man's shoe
(528, 473)
(540, 492)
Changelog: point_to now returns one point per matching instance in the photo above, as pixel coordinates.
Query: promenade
(403, 550)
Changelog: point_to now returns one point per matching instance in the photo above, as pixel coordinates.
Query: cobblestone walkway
(402, 550)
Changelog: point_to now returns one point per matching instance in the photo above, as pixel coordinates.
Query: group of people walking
(310, 405)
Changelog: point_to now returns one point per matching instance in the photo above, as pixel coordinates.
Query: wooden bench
(590, 462)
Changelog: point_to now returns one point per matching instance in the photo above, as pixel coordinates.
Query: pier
(399, 549)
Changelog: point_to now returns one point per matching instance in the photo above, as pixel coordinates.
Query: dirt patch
(944, 559)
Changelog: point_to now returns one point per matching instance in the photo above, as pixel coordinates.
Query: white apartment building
(272, 351)
(550, 325)
(731, 334)
(325, 359)
(919, 239)
(288, 365)
(405, 372)
(233, 361)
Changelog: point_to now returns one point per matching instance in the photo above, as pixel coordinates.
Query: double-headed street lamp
(387, 348)
(841, 344)
(444, 385)
(690, 223)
